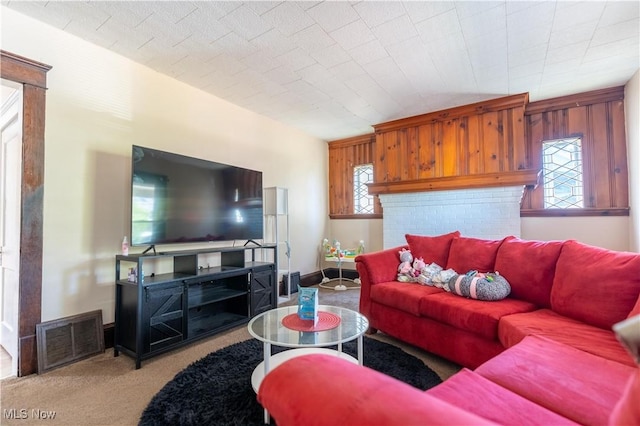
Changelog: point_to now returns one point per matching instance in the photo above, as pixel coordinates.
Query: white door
(10, 180)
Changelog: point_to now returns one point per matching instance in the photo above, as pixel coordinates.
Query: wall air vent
(70, 339)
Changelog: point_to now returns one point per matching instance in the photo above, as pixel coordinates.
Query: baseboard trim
(346, 273)
(316, 277)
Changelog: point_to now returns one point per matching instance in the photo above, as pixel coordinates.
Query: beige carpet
(105, 390)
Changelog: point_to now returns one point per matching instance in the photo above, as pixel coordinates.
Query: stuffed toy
(406, 271)
(474, 285)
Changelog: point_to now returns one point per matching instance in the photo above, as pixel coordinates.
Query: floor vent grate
(70, 339)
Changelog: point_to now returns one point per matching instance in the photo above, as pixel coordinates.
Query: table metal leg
(267, 357)
(360, 341)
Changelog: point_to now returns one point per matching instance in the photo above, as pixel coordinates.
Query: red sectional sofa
(536, 382)
(567, 291)
(546, 354)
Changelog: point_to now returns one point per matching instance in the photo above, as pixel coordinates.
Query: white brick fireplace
(490, 213)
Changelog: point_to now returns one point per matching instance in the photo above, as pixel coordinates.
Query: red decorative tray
(326, 321)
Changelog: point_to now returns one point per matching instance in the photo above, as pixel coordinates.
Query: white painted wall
(608, 232)
(632, 113)
(98, 105)
(350, 231)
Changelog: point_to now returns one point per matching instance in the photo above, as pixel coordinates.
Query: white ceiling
(334, 68)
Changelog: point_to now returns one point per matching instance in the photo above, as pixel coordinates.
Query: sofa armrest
(327, 390)
(373, 268)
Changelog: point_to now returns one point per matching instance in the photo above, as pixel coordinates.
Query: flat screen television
(180, 199)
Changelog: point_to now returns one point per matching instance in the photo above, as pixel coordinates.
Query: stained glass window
(562, 173)
(362, 202)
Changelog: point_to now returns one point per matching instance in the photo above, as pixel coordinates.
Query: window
(363, 203)
(588, 132)
(562, 173)
(351, 168)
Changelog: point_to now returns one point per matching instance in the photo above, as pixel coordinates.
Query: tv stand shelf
(213, 294)
(158, 313)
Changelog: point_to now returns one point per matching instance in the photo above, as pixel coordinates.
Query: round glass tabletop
(267, 327)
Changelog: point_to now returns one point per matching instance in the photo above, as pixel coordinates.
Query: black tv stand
(174, 306)
(254, 242)
(151, 247)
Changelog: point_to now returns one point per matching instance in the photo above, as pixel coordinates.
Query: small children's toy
(333, 252)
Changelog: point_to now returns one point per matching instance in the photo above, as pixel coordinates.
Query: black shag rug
(216, 390)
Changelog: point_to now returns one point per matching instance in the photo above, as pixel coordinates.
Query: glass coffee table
(268, 328)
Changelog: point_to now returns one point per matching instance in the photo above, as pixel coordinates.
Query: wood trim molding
(356, 216)
(580, 99)
(487, 180)
(32, 75)
(23, 70)
(574, 212)
(355, 140)
(498, 104)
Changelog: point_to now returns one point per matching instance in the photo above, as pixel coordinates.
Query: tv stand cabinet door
(263, 290)
(164, 316)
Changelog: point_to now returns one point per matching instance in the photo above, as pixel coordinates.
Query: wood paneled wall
(491, 143)
(344, 155)
(487, 137)
(598, 118)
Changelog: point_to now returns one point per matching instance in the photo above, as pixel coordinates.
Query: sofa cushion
(477, 254)
(327, 390)
(595, 285)
(529, 266)
(463, 347)
(404, 296)
(431, 249)
(477, 395)
(546, 323)
(477, 316)
(627, 410)
(581, 393)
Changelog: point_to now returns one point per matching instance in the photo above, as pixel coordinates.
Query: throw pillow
(473, 254)
(431, 249)
(595, 285)
(530, 267)
(490, 286)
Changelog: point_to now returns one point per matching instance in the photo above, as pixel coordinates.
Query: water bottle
(125, 246)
